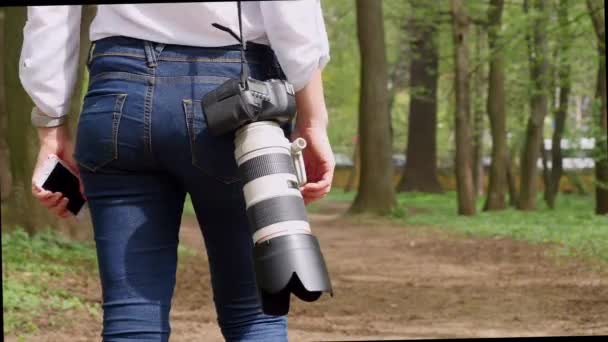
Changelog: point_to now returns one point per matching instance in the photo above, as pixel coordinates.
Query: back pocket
(212, 155)
(97, 133)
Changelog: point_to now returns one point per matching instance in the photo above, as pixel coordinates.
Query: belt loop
(158, 49)
(150, 54)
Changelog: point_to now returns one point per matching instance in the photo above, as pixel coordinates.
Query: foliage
(31, 268)
(341, 76)
(571, 225)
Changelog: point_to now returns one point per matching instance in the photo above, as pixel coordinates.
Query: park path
(394, 282)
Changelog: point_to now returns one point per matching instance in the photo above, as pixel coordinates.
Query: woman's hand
(54, 140)
(318, 160)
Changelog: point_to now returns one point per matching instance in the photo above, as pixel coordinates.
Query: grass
(572, 224)
(31, 268)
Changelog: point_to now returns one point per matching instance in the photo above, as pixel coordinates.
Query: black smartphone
(55, 176)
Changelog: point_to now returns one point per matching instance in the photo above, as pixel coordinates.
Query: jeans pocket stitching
(116, 117)
(189, 112)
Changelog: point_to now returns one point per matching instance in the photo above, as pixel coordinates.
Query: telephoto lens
(286, 255)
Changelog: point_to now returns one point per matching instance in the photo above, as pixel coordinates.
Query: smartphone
(56, 176)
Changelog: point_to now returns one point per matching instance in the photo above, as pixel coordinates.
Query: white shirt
(51, 42)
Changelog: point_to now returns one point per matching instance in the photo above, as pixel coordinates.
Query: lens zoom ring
(275, 210)
(266, 164)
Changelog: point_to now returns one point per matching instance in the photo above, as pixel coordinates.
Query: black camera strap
(241, 40)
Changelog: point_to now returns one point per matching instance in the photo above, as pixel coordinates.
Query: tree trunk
(478, 124)
(5, 170)
(464, 176)
(563, 75)
(537, 44)
(497, 182)
(353, 175)
(511, 181)
(420, 172)
(546, 172)
(376, 192)
(596, 11)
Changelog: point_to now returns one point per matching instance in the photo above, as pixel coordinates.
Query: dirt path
(398, 282)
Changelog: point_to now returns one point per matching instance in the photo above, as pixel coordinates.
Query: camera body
(234, 104)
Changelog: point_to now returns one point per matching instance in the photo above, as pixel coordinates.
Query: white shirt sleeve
(296, 32)
(49, 56)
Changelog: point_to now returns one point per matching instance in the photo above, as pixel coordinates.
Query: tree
(497, 183)
(539, 72)
(596, 11)
(560, 113)
(478, 115)
(376, 193)
(464, 177)
(5, 171)
(420, 172)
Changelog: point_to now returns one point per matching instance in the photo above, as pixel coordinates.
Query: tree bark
(420, 172)
(563, 75)
(5, 169)
(497, 182)
(376, 191)
(353, 175)
(478, 124)
(511, 181)
(537, 44)
(464, 176)
(596, 11)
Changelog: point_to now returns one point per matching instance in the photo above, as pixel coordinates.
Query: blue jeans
(142, 144)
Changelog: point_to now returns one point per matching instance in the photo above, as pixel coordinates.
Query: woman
(142, 143)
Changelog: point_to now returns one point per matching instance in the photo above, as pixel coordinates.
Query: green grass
(572, 224)
(32, 270)
(31, 265)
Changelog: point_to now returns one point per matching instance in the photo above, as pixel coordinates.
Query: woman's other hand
(311, 124)
(319, 162)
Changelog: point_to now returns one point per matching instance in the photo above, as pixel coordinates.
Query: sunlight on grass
(572, 224)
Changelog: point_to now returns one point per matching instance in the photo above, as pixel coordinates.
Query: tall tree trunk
(353, 175)
(546, 172)
(420, 172)
(596, 11)
(464, 176)
(511, 181)
(563, 75)
(478, 116)
(537, 44)
(5, 170)
(497, 182)
(376, 191)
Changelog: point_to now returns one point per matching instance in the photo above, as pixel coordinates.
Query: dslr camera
(287, 258)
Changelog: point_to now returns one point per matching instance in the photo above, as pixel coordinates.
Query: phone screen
(64, 181)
